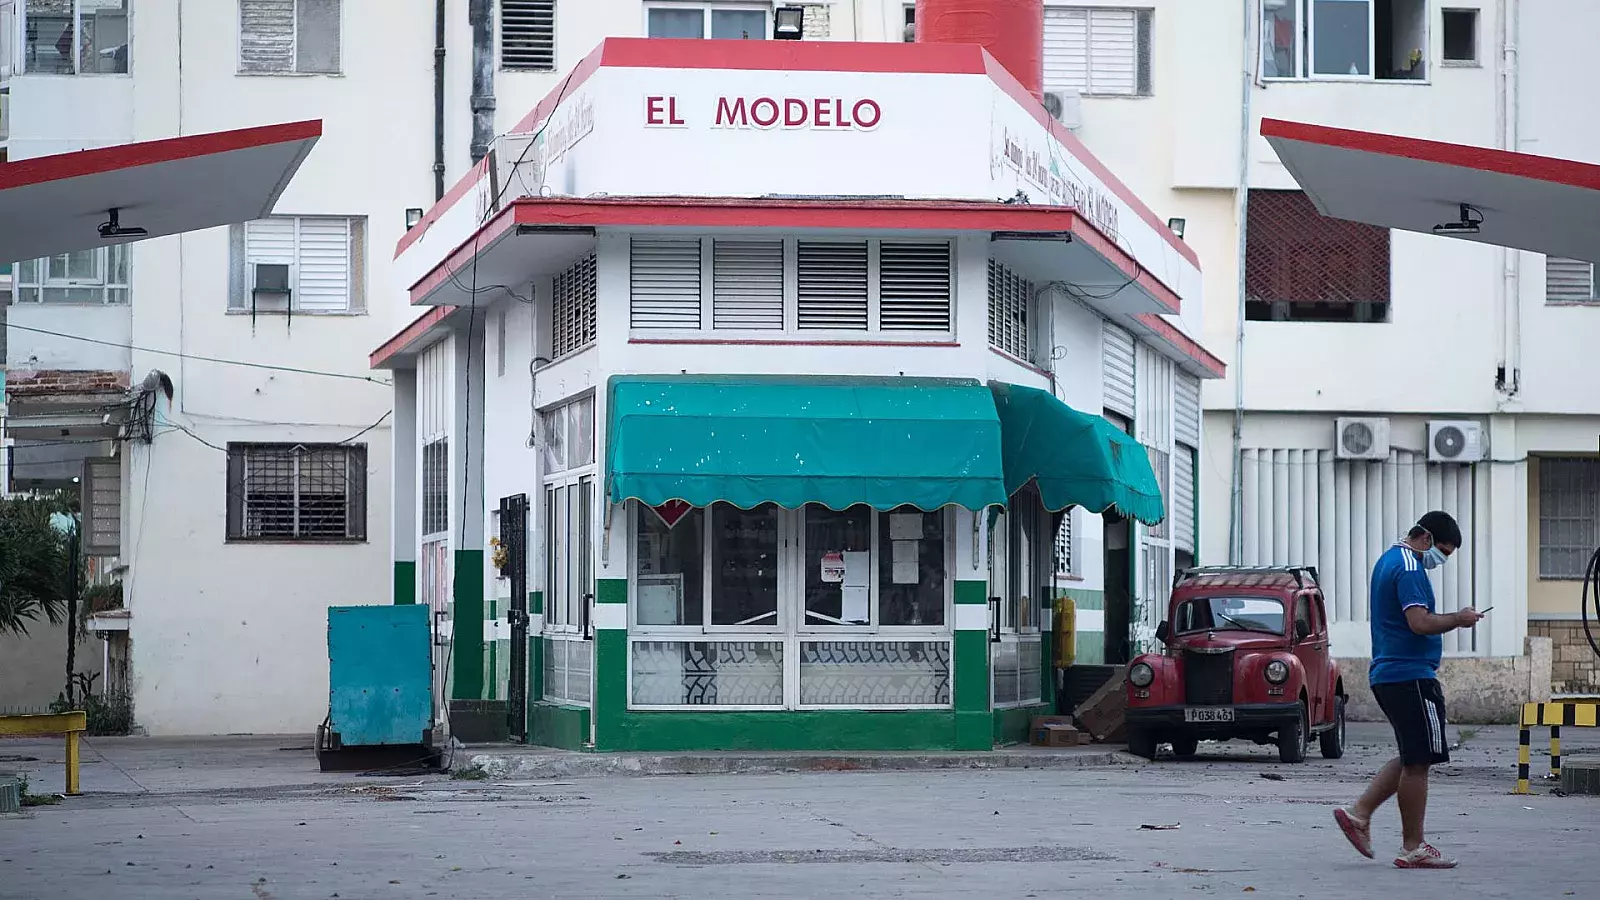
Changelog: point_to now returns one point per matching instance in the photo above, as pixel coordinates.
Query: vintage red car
(1246, 657)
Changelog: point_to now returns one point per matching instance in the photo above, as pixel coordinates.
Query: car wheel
(1185, 747)
(1333, 738)
(1292, 738)
(1142, 743)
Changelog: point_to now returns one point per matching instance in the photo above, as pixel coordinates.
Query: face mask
(1434, 558)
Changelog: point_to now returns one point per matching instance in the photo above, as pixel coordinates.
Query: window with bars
(299, 264)
(436, 487)
(1065, 567)
(289, 37)
(1301, 266)
(1569, 516)
(98, 275)
(297, 492)
(796, 286)
(528, 35)
(1569, 281)
(1098, 51)
(572, 301)
(1010, 312)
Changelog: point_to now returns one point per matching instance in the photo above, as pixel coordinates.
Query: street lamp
(66, 525)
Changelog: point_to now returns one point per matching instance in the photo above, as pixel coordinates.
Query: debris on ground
(1172, 827)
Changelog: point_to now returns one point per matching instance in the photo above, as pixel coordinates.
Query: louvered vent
(914, 287)
(665, 283)
(747, 285)
(832, 285)
(1010, 305)
(573, 308)
(528, 35)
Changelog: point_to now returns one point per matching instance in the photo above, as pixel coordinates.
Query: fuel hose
(1591, 594)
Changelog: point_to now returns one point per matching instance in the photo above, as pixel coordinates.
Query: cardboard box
(1058, 736)
(1103, 714)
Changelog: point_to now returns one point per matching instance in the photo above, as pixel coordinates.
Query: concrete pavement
(293, 833)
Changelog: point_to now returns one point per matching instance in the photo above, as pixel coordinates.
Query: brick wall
(45, 382)
(815, 26)
(1575, 668)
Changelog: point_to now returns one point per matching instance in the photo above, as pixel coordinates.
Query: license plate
(1208, 714)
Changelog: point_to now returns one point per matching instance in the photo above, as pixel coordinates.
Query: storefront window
(911, 576)
(838, 566)
(744, 565)
(671, 560)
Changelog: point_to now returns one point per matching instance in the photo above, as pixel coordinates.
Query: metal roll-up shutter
(1186, 412)
(1182, 501)
(1117, 373)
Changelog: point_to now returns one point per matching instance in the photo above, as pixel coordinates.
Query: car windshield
(1230, 613)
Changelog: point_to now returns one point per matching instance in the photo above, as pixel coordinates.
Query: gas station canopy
(58, 204)
(1497, 197)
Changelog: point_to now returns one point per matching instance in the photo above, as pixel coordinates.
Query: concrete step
(531, 763)
(1580, 775)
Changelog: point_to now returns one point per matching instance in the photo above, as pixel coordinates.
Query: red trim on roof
(43, 169)
(1187, 345)
(461, 257)
(409, 335)
(1087, 232)
(1483, 159)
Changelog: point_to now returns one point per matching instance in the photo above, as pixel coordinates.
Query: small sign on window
(833, 567)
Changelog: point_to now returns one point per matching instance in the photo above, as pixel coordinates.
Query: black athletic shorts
(1416, 710)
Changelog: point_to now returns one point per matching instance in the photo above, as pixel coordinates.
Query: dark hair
(1441, 525)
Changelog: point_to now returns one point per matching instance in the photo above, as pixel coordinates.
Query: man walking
(1406, 647)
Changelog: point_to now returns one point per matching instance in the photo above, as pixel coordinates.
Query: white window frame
(293, 71)
(572, 618)
(1476, 61)
(789, 629)
(1585, 470)
(706, 7)
(102, 282)
(1143, 54)
(1305, 42)
(791, 332)
(239, 300)
(20, 37)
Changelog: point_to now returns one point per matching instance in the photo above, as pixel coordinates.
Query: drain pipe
(478, 13)
(1241, 216)
(1508, 375)
(438, 100)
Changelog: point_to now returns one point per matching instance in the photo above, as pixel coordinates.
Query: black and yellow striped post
(1554, 715)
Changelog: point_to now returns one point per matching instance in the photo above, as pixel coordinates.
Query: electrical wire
(1591, 594)
(210, 359)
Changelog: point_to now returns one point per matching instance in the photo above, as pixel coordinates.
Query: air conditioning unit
(1455, 442)
(1065, 107)
(1364, 438)
(271, 290)
(518, 165)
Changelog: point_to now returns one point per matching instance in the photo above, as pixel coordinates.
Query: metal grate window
(1569, 281)
(747, 285)
(1010, 311)
(913, 286)
(528, 35)
(1303, 266)
(1569, 516)
(1063, 552)
(664, 283)
(436, 487)
(831, 285)
(297, 492)
(572, 320)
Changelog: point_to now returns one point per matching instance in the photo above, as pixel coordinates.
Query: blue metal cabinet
(380, 676)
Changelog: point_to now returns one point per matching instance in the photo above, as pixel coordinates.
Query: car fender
(1165, 690)
(1250, 683)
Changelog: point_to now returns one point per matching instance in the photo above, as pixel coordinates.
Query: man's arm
(1424, 622)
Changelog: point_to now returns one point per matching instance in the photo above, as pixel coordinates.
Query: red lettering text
(672, 111)
(652, 111)
(732, 113)
(756, 116)
(795, 113)
(864, 108)
(820, 113)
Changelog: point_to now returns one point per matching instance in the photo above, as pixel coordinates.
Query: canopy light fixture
(1064, 237)
(1469, 223)
(413, 216)
(112, 227)
(1176, 226)
(555, 229)
(788, 23)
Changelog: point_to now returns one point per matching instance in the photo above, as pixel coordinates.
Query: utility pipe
(1241, 217)
(438, 99)
(478, 14)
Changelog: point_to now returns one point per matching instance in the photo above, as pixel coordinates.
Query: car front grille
(1208, 678)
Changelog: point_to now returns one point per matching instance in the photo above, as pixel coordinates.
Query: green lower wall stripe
(972, 592)
(1011, 725)
(467, 626)
(611, 590)
(799, 730)
(405, 583)
(553, 725)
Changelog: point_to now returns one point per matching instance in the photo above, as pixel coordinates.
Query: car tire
(1142, 743)
(1333, 738)
(1185, 747)
(1292, 738)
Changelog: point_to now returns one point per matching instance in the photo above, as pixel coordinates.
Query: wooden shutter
(914, 286)
(665, 283)
(323, 283)
(1113, 51)
(1117, 369)
(1568, 280)
(747, 285)
(528, 35)
(1066, 49)
(266, 35)
(832, 285)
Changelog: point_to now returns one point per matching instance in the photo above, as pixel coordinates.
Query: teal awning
(1077, 459)
(792, 440)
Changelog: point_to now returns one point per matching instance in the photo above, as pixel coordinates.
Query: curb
(595, 765)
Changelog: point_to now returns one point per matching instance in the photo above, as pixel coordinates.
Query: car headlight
(1277, 671)
(1141, 675)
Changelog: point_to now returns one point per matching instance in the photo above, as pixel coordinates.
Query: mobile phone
(1485, 610)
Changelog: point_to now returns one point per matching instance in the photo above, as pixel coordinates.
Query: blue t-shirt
(1398, 653)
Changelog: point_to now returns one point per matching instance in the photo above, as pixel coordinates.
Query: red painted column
(1011, 30)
